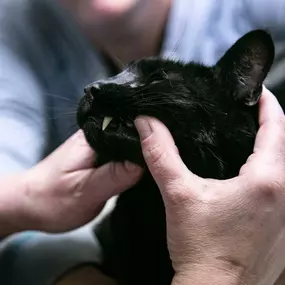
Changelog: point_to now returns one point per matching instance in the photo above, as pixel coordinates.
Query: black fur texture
(212, 114)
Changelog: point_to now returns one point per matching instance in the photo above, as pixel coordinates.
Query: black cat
(212, 114)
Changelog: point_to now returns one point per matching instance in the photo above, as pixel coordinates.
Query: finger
(74, 154)
(113, 178)
(271, 118)
(79, 153)
(269, 108)
(160, 153)
(270, 138)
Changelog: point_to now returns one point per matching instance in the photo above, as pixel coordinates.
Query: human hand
(224, 232)
(64, 191)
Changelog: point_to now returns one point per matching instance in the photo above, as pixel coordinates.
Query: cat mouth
(113, 139)
(113, 123)
(109, 124)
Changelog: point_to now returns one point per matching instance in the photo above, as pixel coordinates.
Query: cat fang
(106, 122)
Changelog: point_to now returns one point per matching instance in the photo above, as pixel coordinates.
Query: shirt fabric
(45, 62)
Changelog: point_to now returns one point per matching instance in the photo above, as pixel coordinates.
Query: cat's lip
(106, 122)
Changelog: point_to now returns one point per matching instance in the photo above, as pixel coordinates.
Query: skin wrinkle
(114, 173)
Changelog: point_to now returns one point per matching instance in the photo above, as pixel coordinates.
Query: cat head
(210, 110)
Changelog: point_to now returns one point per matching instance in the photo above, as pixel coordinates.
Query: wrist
(13, 212)
(205, 275)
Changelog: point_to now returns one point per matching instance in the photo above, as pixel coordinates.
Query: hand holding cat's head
(229, 225)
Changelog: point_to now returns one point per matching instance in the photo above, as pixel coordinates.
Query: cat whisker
(60, 97)
(66, 112)
(63, 110)
(61, 116)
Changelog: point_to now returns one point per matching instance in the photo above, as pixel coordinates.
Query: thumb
(269, 142)
(160, 153)
(113, 178)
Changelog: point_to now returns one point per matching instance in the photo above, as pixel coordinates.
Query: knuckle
(154, 154)
(121, 176)
(177, 196)
(179, 193)
(266, 190)
(267, 186)
(116, 171)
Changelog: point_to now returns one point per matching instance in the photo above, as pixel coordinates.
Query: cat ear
(246, 64)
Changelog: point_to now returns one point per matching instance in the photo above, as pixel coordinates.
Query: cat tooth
(106, 122)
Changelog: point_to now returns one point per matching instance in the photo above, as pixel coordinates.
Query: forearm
(13, 217)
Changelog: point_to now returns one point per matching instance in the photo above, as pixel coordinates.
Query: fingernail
(143, 127)
(131, 166)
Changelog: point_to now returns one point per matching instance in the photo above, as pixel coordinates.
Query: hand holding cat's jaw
(208, 220)
(65, 191)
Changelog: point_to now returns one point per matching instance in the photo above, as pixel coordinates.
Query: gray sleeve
(22, 112)
(22, 115)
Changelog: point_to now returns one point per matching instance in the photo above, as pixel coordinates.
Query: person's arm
(12, 217)
(23, 121)
(22, 115)
(22, 139)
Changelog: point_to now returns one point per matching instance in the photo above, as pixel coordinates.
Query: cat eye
(157, 75)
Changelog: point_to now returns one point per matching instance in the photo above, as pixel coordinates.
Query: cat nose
(92, 89)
